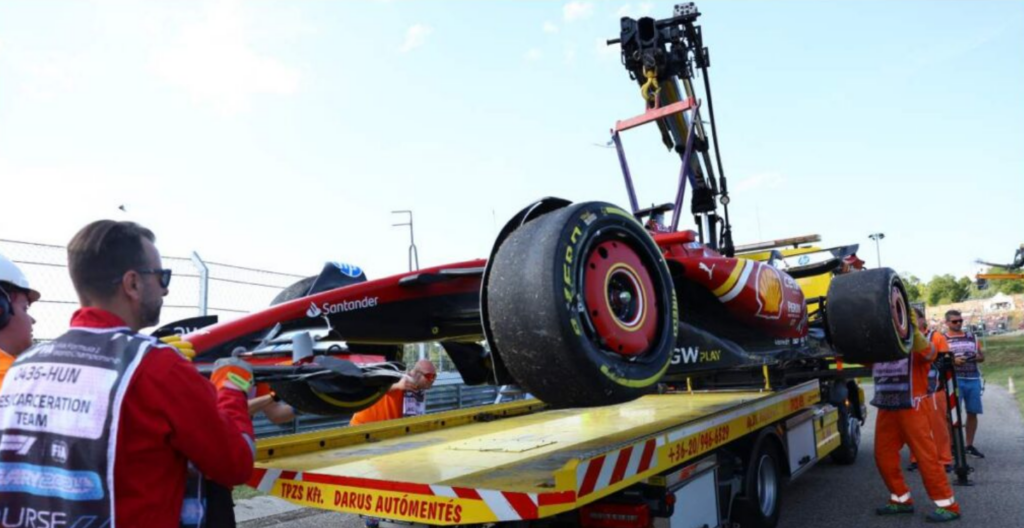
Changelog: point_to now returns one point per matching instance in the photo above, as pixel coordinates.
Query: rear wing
(774, 244)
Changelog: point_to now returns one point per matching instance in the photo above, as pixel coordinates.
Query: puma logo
(705, 267)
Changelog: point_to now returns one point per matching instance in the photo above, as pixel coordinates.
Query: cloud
(762, 181)
(550, 27)
(214, 61)
(46, 75)
(569, 54)
(574, 11)
(534, 54)
(415, 37)
(627, 10)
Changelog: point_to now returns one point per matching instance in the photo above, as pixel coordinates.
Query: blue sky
(282, 134)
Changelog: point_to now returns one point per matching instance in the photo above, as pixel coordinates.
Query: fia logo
(59, 451)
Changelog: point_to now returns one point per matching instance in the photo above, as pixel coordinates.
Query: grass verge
(245, 492)
(1004, 360)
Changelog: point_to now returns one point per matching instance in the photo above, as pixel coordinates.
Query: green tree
(962, 291)
(915, 288)
(1008, 287)
(938, 289)
(944, 289)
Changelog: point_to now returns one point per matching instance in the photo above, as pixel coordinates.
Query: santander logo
(327, 308)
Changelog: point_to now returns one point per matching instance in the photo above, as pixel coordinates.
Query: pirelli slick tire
(869, 316)
(582, 307)
(308, 400)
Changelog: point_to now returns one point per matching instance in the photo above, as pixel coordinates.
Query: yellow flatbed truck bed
(519, 461)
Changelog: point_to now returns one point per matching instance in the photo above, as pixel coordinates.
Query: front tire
(582, 307)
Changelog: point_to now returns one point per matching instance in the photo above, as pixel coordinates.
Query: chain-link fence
(197, 288)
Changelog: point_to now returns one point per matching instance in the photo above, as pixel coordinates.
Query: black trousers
(220, 508)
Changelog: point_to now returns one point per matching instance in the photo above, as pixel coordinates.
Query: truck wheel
(849, 437)
(762, 485)
(869, 316)
(582, 307)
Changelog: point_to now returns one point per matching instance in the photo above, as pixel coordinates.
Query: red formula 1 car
(587, 303)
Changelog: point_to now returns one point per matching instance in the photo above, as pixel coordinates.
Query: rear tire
(869, 316)
(582, 307)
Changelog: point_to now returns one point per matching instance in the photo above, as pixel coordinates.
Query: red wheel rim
(900, 318)
(619, 296)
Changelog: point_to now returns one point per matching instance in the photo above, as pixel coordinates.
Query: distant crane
(981, 279)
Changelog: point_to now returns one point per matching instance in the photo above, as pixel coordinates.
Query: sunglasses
(429, 377)
(165, 275)
(955, 321)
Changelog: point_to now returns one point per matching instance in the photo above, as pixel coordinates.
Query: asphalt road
(846, 496)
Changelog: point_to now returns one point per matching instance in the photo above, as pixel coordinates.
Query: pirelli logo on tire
(567, 274)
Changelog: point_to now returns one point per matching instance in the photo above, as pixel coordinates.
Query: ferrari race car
(589, 303)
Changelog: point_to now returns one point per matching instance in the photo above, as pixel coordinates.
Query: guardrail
(442, 397)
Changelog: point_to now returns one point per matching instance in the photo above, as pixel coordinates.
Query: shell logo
(769, 293)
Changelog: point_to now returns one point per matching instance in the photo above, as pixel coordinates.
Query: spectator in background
(967, 354)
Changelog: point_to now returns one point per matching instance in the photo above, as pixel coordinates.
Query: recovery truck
(753, 396)
(687, 460)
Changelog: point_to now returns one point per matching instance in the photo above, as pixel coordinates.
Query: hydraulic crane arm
(661, 56)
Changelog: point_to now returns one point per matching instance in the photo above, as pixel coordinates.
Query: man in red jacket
(112, 427)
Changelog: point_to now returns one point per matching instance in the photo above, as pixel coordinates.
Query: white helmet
(12, 274)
